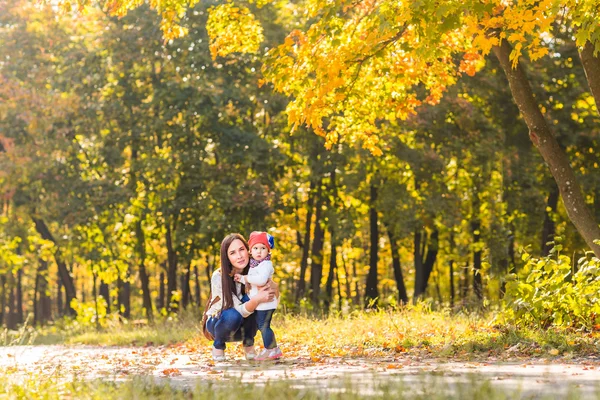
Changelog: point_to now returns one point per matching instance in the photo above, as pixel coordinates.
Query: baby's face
(259, 252)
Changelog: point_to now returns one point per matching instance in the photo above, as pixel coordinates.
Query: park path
(184, 366)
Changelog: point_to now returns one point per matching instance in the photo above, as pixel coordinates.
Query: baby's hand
(238, 278)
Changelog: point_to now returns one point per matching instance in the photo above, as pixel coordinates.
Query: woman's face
(238, 255)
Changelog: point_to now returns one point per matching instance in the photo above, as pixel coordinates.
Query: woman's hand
(271, 286)
(275, 286)
(265, 294)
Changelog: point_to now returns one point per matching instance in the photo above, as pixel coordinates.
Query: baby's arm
(240, 278)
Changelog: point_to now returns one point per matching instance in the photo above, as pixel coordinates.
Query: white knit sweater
(217, 290)
(258, 276)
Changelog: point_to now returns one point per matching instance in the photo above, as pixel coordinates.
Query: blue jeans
(263, 319)
(232, 327)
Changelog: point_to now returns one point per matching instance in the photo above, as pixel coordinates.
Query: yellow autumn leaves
(346, 74)
(364, 62)
(231, 29)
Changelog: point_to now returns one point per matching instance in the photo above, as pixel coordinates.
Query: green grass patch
(165, 330)
(423, 387)
(427, 333)
(379, 333)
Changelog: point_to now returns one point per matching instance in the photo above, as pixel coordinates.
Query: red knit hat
(261, 237)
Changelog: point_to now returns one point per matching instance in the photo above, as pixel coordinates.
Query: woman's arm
(265, 294)
(273, 285)
(216, 290)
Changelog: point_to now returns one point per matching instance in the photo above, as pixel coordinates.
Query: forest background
(393, 162)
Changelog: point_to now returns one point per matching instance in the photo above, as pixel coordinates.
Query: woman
(231, 314)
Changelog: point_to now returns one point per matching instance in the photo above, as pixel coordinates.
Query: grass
(428, 333)
(428, 387)
(164, 331)
(378, 333)
(409, 332)
(25, 335)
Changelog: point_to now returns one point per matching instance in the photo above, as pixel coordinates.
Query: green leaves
(547, 293)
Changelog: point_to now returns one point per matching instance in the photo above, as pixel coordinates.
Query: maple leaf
(171, 372)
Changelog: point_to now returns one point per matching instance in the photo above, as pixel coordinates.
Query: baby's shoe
(218, 354)
(269, 354)
(250, 352)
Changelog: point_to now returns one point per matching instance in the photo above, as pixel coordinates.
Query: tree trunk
(477, 282)
(36, 288)
(171, 270)
(504, 264)
(432, 251)
(347, 277)
(332, 271)
(60, 310)
(301, 287)
(208, 270)
(297, 220)
(591, 66)
(161, 291)
(185, 286)
(476, 232)
(45, 299)
(451, 277)
(511, 249)
(144, 278)
(197, 287)
(124, 297)
(597, 202)
(42, 312)
(372, 291)
(548, 228)
(464, 282)
(339, 287)
(65, 276)
(541, 136)
(11, 316)
(418, 261)
(95, 296)
(184, 292)
(297, 201)
(357, 296)
(333, 267)
(20, 318)
(11, 313)
(437, 289)
(316, 266)
(105, 293)
(2, 299)
(397, 267)
(140, 243)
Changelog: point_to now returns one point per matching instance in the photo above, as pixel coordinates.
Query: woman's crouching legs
(226, 328)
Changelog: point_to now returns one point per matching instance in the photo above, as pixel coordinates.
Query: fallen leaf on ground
(394, 366)
(171, 372)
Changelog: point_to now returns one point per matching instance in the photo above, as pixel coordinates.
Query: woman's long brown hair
(226, 276)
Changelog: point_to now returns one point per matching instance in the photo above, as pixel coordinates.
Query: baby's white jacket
(258, 276)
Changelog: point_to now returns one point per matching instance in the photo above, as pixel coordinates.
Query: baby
(261, 270)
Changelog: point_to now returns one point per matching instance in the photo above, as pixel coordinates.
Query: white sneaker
(250, 352)
(218, 354)
(269, 354)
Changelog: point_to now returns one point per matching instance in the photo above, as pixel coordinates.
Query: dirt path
(184, 366)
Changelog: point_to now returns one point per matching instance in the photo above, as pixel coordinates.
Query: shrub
(550, 291)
